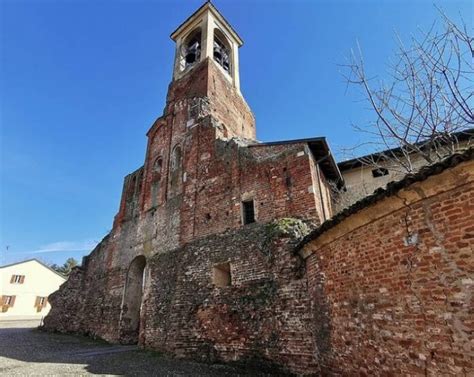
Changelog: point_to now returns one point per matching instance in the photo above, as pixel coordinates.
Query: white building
(363, 175)
(24, 289)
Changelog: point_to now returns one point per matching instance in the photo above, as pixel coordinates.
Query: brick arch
(132, 301)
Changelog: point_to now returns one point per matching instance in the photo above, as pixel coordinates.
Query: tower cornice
(207, 6)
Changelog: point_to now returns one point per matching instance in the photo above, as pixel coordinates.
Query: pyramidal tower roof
(195, 17)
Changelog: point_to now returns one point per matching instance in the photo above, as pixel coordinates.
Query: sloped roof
(359, 161)
(391, 189)
(201, 9)
(321, 152)
(37, 261)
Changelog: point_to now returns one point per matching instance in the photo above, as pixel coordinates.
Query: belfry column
(208, 37)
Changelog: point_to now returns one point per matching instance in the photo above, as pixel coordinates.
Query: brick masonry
(182, 212)
(261, 319)
(386, 291)
(392, 284)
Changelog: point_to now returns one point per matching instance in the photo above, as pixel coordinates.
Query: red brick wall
(276, 178)
(259, 320)
(226, 104)
(392, 284)
(216, 173)
(192, 219)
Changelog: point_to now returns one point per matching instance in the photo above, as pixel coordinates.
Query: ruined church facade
(227, 249)
(195, 265)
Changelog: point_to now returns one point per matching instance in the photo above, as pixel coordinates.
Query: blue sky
(83, 80)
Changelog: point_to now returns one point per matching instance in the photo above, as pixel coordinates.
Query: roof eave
(391, 189)
(207, 6)
(359, 161)
(316, 141)
(37, 261)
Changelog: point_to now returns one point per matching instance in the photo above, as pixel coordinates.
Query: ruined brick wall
(65, 316)
(385, 291)
(277, 178)
(225, 103)
(392, 283)
(179, 197)
(217, 176)
(199, 167)
(89, 302)
(260, 319)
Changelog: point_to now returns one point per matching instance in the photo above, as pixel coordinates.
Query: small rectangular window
(17, 279)
(379, 172)
(221, 275)
(248, 212)
(40, 303)
(8, 300)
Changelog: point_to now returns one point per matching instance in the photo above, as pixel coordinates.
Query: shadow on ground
(26, 351)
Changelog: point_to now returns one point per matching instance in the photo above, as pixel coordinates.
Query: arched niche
(176, 166)
(132, 301)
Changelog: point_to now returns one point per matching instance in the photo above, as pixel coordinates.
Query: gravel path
(28, 352)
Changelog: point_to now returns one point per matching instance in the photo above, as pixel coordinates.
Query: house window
(7, 302)
(40, 303)
(221, 276)
(17, 279)
(248, 212)
(379, 172)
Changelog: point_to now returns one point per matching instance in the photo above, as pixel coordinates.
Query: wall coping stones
(392, 189)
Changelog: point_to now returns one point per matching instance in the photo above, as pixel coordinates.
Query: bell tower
(206, 34)
(206, 75)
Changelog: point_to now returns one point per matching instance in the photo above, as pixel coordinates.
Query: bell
(190, 57)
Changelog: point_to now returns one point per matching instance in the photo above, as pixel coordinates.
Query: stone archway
(132, 301)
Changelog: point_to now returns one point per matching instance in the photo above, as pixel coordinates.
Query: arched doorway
(132, 301)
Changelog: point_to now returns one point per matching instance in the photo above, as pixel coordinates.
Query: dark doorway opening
(132, 301)
(248, 212)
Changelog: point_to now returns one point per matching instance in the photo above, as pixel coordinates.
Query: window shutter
(12, 279)
(13, 301)
(3, 300)
(22, 279)
(37, 301)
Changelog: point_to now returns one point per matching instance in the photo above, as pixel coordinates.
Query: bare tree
(427, 103)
